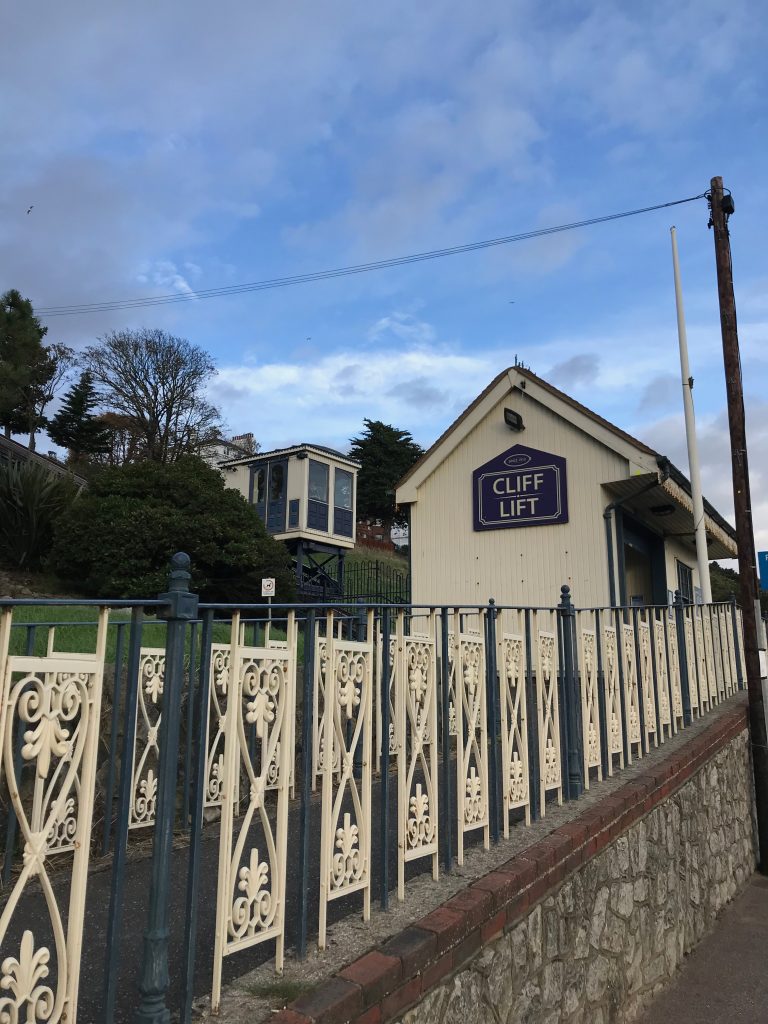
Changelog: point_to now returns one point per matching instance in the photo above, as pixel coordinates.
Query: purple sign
(520, 487)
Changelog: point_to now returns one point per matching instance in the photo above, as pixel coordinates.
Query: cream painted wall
(452, 563)
(238, 479)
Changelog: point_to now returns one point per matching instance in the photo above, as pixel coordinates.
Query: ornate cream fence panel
(471, 737)
(702, 670)
(612, 696)
(731, 650)
(718, 645)
(250, 903)
(345, 837)
(548, 706)
(146, 749)
(742, 659)
(389, 744)
(714, 695)
(690, 660)
(631, 691)
(215, 738)
(515, 776)
(55, 702)
(662, 678)
(318, 720)
(590, 706)
(415, 685)
(729, 675)
(646, 682)
(451, 683)
(674, 674)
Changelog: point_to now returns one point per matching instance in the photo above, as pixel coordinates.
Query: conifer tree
(75, 426)
(385, 453)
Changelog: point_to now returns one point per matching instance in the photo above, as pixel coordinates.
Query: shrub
(32, 502)
(118, 539)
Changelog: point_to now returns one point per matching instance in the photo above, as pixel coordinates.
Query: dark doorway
(642, 570)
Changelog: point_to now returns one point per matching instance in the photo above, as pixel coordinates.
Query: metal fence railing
(207, 728)
(377, 582)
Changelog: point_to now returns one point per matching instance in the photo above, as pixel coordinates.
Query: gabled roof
(515, 377)
(294, 449)
(509, 377)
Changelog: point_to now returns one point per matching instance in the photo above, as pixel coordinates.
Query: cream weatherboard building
(528, 490)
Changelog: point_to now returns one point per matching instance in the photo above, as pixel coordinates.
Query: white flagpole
(702, 556)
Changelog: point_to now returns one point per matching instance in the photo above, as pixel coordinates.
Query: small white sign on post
(268, 588)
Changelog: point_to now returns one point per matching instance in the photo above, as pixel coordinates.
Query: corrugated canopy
(637, 494)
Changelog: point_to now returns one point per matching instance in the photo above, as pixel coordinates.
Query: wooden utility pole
(721, 207)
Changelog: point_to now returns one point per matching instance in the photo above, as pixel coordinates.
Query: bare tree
(156, 383)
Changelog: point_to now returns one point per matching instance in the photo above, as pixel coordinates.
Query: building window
(259, 486)
(685, 582)
(276, 480)
(318, 481)
(317, 505)
(342, 503)
(342, 489)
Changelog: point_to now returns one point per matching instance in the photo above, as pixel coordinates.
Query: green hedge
(117, 540)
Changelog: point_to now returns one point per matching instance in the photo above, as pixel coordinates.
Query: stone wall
(598, 948)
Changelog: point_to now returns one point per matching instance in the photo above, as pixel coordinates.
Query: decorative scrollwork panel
(734, 679)
(146, 749)
(709, 654)
(646, 681)
(472, 738)
(415, 693)
(612, 696)
(218, 696)
(631, 691)
(516, 788)
(550, 765)
(701, 659)
(690, 659)
(662, 677)
(674, 673)
(253, 849)
(318, 720)
(345, 839)
(50, 715)
(385, 747)
(590, 708)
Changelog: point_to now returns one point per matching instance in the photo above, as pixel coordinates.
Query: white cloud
(417, 386)
(404, 326)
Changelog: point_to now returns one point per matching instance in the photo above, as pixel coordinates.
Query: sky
(166, 148)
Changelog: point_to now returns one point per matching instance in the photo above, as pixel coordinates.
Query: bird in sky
(30, 209)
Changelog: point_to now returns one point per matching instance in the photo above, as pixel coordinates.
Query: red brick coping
(384, 982)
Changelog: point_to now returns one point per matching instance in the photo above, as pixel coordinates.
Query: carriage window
(276, 479)
(318, 481)
(342, 489)
(259, 480)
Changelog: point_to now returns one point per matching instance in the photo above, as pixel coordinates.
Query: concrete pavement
(725, 979)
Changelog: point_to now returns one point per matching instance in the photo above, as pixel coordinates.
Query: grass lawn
(389, 558)
(74, 629)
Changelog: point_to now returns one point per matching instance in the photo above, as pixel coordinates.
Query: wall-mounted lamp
(663, 510)
(513, 420)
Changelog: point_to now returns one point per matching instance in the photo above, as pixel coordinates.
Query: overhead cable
(360, 268)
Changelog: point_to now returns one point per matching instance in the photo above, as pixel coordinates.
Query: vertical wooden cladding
(525, 565)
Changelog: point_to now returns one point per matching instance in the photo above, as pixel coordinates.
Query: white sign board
(268, 588)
